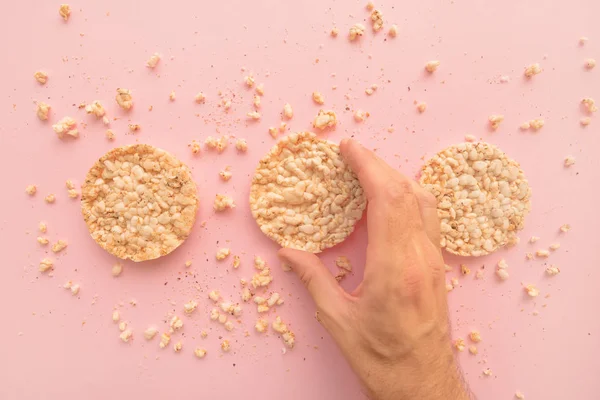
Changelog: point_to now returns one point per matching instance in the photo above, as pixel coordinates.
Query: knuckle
(427, 199)
(412, 282)
(396, 190)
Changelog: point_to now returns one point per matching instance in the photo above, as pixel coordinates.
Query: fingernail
(344, 142)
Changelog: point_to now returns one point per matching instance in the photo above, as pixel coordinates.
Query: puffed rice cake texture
(304, 196)
(139, 202)
(483, 197)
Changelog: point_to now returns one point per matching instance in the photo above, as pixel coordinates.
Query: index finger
(393, 207)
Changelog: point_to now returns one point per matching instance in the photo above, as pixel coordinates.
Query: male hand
(393, 329)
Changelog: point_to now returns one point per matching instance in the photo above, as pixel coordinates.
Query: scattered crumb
(360, 115)
(533, 239)
(214, 295)
(589, 104)
(95, 108)
(287, 111)
(59, 246)
(318, 98)
(431, 66)
(260, 89)
(590, 63)
(195, 146)
(273, 132)
(172, 95)
(43, 240)
(464, 269)
(459, 344)
(532, 291)
(117, 269)
(223, 202)
(188, 263)
(470, 138)
(236, 262)
(51, 198)
(393, 32)
(583, 40)
(542, 253)
(356, 31)
(241, 145)
(153, 60)
(225, 346)
(41, 77)
(495, 121)
(519, 395)
(64, 11)
(46, 264)
(110, 135)
(502, 270)
(165, 338)
(31, 190)
(66, 126)
(220, 145)
(532, 70)
(565, 228)
(122, 326)
(585, 121)
(200, 353)
(487, 372)
(569, 161)
(287, 336)
(552, 270)
(225, 174)
(421, 107)
(42, 110)
(190, 306)
(150, 333)
(261, 325)
(370, 6)
(256, 101)
(134, 127)
(200, 98)
(536, 124)
(253, 115)
(475, 336)
(126, 335)
(377, 20)
(177, 347)
(249, 81)
(325, 119)
(554, 246)
(176, 323)
(124, 98)
(74, 288)
(223, 253)
(473, 350)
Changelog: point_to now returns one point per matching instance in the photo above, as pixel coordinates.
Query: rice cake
(304, 196)
(139, 202)
(483, 197)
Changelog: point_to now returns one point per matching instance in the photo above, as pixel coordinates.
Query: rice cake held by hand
(304, 196)
(483, 197)
(139, 202)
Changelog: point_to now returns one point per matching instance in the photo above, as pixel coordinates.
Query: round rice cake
(139, 202)
(483, 197)
(304, 196)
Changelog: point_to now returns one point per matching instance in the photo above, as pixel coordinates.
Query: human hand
(393, 329)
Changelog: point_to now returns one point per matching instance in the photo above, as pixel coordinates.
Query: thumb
(321, 284)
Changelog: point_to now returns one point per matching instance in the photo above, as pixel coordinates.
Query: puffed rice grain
(124, 98)
(64, 11)
(356, 31)
(42, 110)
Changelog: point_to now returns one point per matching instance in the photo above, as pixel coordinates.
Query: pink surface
(55, 345)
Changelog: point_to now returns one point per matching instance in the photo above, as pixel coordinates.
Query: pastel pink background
(70, 348)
